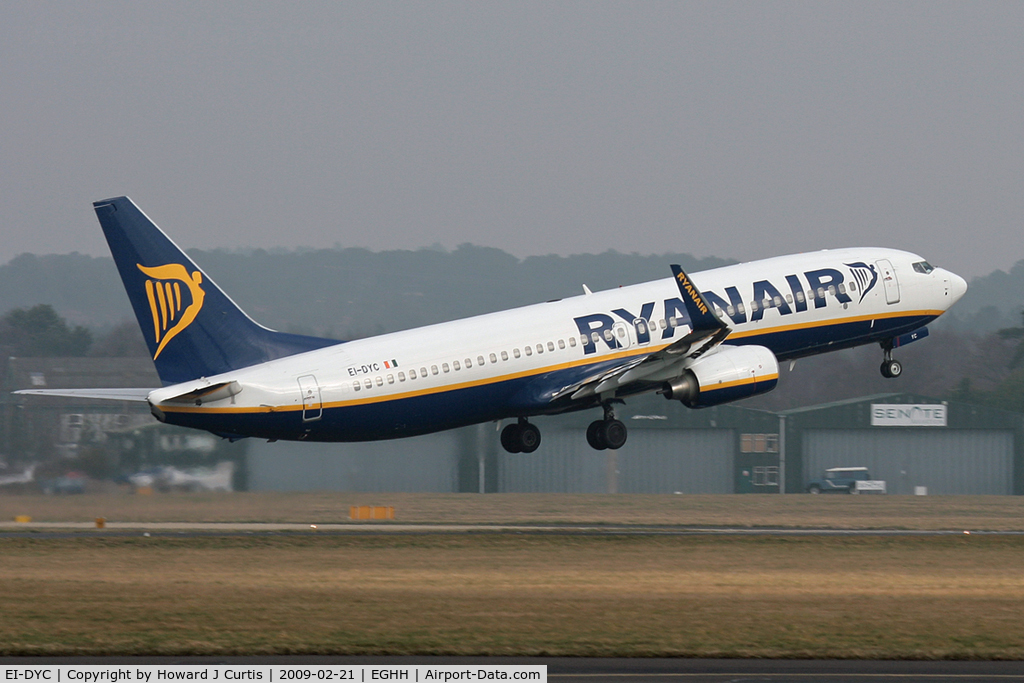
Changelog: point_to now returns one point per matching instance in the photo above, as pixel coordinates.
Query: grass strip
(811, 597)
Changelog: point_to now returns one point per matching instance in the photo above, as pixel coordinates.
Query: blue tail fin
(192, 328)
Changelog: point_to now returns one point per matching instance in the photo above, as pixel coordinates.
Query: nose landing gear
(890, 368)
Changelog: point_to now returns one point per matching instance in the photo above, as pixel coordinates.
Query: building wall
(947, 461)
(675, 460)
(424, 464)
(979, 451)
(652, 461)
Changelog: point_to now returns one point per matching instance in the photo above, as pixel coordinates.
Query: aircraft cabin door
(312, 408)
(889, 281)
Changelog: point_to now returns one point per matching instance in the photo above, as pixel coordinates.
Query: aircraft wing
(129, 394)
(706, 332)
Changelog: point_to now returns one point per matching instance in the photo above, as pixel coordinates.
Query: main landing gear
(607, 433)
(891, 368)
(520, 437)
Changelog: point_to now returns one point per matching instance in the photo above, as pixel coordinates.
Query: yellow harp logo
(164, 291)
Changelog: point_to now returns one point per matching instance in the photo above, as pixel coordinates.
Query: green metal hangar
(908, 441)
(671, 449)
(915, 444)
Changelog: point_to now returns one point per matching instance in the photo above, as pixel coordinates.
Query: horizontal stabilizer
(130, 394)
(207, 394)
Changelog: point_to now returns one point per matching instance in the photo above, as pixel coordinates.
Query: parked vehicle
(839, 480)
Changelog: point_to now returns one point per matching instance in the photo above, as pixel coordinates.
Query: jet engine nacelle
(732, 373)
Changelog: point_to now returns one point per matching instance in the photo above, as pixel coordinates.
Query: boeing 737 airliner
(705, 339)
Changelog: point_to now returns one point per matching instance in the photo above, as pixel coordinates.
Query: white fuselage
(511, 363)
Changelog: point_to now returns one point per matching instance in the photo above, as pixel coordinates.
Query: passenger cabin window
(789, 298)
(455, 364)
(561, 343)
(778, 301)
(391, 379)
(662, 324)
(853, 286)
(356, 385)
(412, 374)
(821, 292)
(494, 359)
(672, 322)
(595, 336)
(741, 309)
(445, 368)
(753, 305)
(923, 267)
(832, 290)
(800, 297)
(540, 348)
(842, 288)
(551, 346)
(641, 328)
(380, 381)
(528, 350)
(504, 355)
(572, 342)
(515, 352)
(368, 383)
(730, 310)
(480, 359)
(608, 335)
(433, 369)
(401, 376)
(423, 372)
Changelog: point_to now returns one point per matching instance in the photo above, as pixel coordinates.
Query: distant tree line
(39, 332)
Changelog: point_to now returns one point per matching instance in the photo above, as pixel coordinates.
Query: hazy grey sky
(732, 129)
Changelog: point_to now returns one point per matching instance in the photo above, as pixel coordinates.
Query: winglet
(702, 314)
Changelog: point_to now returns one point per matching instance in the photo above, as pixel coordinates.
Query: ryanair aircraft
(705, 339)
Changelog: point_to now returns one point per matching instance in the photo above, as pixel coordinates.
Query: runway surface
(578, 670)
(10, 529)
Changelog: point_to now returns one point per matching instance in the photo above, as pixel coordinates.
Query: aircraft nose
(957, 286)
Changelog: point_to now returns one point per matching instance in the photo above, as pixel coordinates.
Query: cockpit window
(923, 267)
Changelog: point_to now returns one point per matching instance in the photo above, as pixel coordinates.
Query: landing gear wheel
(520, 437)
(529, 437)
(595, 436)
(510, 439)
(891, 369)
(614, 434)
(814, 490)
